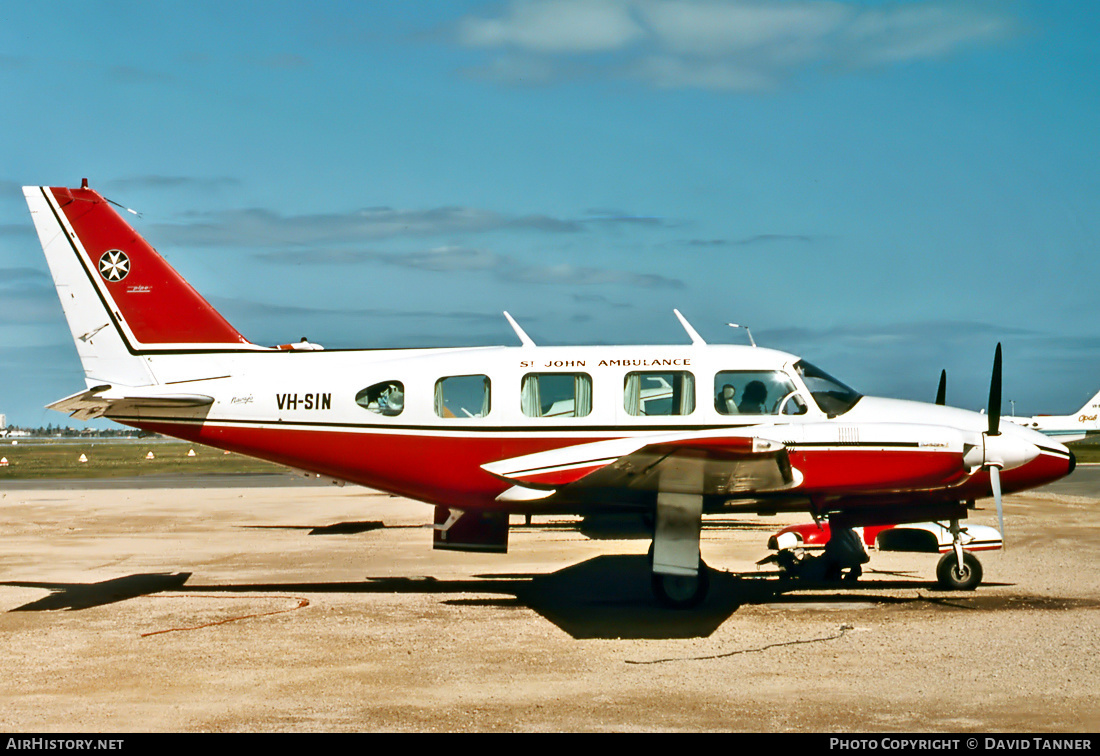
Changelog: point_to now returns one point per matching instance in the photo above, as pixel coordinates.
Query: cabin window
(462, 396)
(756, 392)
(385, 398)
(556, 395)
(671, 393)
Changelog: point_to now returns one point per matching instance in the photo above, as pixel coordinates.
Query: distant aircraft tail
(1092, 408)
(122, 300)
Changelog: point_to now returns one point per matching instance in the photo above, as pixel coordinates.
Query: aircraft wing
(708, 463)
(96, 401)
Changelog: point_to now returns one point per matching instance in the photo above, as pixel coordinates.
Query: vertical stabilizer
(122, 300)
(1092, 407)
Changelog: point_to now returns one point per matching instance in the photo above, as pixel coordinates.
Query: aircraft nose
(1053, 463)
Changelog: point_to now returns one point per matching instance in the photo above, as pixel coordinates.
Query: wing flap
(722, 464)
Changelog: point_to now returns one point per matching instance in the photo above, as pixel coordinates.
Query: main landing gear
(680, 577)
(682, 591)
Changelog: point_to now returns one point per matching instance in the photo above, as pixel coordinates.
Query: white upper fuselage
(255, 386)
(318, 389)
(251, 386)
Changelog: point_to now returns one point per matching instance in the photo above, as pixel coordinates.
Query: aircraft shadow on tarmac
(73, 596)
(338, 528)
(603, 597)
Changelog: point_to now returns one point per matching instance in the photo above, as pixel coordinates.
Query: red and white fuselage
(507, 428)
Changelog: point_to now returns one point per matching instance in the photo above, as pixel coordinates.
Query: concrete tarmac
(313, 608)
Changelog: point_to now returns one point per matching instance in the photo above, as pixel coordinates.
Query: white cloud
(453, 259)
(670, 72)
(447, 259)
(262, 227)
(719, 44)
(573, 275)
(560, 26)
(881, 36)
(714, 29)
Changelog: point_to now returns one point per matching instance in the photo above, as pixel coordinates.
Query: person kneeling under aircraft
(843, 551)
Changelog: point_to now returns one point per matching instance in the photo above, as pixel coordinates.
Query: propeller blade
(995, 483)
(941, 392)
(995, 396)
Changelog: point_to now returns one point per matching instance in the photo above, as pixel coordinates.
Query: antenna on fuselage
(736, 325)
(696, 339)
(523, 337)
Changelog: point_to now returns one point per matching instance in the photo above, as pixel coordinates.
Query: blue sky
(886, 188)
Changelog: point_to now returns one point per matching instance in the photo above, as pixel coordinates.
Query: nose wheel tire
(680, 591)
(951, 578)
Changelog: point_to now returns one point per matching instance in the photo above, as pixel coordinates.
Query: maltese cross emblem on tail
(114, 265)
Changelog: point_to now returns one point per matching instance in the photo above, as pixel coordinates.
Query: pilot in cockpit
(754, 396)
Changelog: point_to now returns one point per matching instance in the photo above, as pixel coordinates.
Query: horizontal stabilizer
(97, 401)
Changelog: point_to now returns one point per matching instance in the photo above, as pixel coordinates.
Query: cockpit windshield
(832, 396)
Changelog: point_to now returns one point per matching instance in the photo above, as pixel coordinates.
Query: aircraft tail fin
(122, 300)
(1092, 407)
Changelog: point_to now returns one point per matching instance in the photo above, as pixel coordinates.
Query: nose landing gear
(953, 577)
(958, 569)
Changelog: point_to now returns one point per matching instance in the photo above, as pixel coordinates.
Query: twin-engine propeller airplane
(671, 432)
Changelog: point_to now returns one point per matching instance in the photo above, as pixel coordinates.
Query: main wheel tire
(682, 592)
(952, 579)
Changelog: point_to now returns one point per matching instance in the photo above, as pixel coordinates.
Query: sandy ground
(325, 609)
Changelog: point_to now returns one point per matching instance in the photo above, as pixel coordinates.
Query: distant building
(3, 422)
